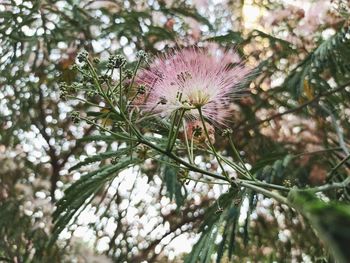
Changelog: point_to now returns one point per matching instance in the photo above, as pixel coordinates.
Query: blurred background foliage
(293, 130)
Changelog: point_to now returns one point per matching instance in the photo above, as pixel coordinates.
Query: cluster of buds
(142, 55)
(162, 100)
(141, 89)
(116, 61)
(83, 56)
(104, 78)
(227, 132)
(65, 89)
(96, 60)
(75, 116)
(128, 73)
(88, 79)
(91, 93)
(197, 131)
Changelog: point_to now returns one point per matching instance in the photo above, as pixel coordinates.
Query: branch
(52, 150)
(331, 186)
(338, 165)
(315, 99)
(77, 145)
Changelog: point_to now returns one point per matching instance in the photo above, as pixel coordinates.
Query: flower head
(193, 78)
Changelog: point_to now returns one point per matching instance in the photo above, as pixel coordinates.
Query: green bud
(75, 116)
(82, 56)
(74, 67)
(227, 132)
(142, 55)
(128, 73)
(116, 61)
(141, 89)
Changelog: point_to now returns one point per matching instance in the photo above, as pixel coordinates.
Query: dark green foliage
(332, 54)
(273, 170)
(231, 37)
(331, 220)
(80, 192)
(173, 185)
(220, 220)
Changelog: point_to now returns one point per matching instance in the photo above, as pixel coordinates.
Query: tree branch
(52, 150)
(300, 107)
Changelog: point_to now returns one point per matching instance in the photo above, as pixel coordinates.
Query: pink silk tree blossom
(193, 78)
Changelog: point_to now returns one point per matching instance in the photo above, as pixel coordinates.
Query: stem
(265, 192)
(120, 82)
(338, 165)
(339, 132)
(176, 131)
(95, 77)
(211, 145)
(332, 186)
(120, 90)
(190, 157)
(107, 130)
(134, 74)
(207, 182)
(85, 101)
(236, 167)
(271, 186)
(188, 178)
(317, 152)
(171, 131)
(314, 100)
(181, 161)
(239, 158)
(133, 98)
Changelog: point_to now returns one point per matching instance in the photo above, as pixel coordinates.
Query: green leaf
(272, 168)
(173, 185)
(106, 138)
(230, 37)
(100, 157)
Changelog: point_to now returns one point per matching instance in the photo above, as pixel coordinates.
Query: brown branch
(76, 147)
(42, 125)
(315, 99)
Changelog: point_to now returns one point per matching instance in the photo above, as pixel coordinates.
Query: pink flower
(193, 78)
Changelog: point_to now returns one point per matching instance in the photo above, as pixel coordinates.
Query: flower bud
(82, 56)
